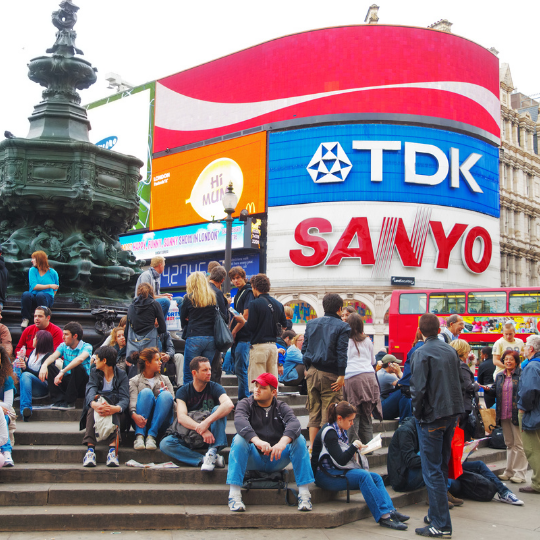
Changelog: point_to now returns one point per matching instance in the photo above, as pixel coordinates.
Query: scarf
(342, 435)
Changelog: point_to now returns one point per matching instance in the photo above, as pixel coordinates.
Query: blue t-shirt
(8, 385)
(49, 278)
(200, 401)
(68, 354)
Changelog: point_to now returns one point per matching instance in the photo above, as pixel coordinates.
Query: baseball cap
(388, 359)
(267, 379)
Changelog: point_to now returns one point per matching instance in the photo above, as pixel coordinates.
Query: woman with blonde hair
(198, 314)
(43, 286)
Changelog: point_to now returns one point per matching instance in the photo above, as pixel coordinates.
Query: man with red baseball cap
(269, 437)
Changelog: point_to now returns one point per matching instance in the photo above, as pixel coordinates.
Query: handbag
(138, 342)
(474, 426)
(223, 337)
(489, 419)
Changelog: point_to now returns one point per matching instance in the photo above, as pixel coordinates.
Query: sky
(143, 41)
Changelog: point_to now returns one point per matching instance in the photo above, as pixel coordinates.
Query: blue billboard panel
(381, 162)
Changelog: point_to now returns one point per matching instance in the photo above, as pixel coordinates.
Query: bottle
(16, 365)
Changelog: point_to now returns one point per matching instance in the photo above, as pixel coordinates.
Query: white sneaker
(139, 443)
(220, 462)
(25, 323)
(209, 461)
(112, 460)
(151, 443)
(304, 503)
(89, 459)
(8, 460)
(236, 504)
(510, 498)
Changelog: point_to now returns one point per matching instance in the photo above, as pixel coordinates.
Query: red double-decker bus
(483, 310)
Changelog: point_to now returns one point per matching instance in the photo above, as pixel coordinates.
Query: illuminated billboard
(187, 187)
(334, 75)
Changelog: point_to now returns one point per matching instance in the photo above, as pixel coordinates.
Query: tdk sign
(381, 162)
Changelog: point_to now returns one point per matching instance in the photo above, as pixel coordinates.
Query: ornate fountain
(62, 194)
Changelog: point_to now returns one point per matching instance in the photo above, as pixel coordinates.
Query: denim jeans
(478, 467)
(396, 404)
(29, 302)
(435, 440)
(31, 386)
(245, 456)
(175, 447)
(165, 304)
(197, 346)
(370, 484)
(415, 480)
(241, 363)
(158, 412)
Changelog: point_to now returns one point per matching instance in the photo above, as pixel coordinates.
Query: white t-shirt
(360, 360)
(151, 382)
(502, 345)
(34, 362)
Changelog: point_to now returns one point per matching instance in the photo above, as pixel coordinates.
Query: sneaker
(220, 462)
(392, 523)
(454, 500)
(112, 460)
(432, 532)
(89, 459)
(445, 533)
(8, 460)
(503, 477)
(517, 480)
(236, 504)
(209, 461)
(63, 406)
(399, 516)
(139, 443)
(304, 503)
(24, 323)
(151, 443)
(510, 498)
(27, 413)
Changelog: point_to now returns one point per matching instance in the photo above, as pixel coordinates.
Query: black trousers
(73, 385)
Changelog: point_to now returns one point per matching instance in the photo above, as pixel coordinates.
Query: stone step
(190, 517)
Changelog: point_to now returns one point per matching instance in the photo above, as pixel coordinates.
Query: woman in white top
(361, 389)
(30, 384)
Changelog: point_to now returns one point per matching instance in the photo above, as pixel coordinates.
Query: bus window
(487, 302)
(447, 302)
(412, 303)
(524, 302)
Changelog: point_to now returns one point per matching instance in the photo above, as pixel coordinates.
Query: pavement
(478, 520)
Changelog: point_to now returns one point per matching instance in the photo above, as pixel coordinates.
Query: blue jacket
(529, 394)
(292, 359)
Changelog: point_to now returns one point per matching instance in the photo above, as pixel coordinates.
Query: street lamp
(230, 200)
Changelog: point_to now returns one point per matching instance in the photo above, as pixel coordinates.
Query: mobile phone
(233, 311)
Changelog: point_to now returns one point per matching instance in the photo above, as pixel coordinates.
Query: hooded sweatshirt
(142, 314)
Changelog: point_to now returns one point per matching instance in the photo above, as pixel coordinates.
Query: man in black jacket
(3, 280)
(437, 387)
(326, 342)
(269, 437)
(266, 314)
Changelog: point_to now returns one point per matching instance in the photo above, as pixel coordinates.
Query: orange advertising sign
(187, 187)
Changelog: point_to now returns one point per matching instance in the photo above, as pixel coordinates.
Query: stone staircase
(50, 484)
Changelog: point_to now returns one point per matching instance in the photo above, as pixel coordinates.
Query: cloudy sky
(143, 40)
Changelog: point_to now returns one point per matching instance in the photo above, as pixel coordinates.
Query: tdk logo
(331, 164)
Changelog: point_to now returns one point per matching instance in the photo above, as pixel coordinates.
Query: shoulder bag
(223, 337)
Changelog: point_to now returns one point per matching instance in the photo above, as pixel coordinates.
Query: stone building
(519, 186)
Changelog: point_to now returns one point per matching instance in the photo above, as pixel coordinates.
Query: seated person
(30, 384)
(168, 354)
(109, 339)
(333, 455)
(151, 401)
(68, 383)
(112, 384)
(4, 437)
(293, 368)
(268, 438)
(395, 388)
(7, 394)
(118, 342)
(5, 336)
(42, 321)
(388, 375)
(200, 395)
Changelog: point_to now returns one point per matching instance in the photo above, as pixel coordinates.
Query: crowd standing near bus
(434, 392)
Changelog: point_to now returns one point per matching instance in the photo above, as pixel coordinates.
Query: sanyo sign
(388, 163)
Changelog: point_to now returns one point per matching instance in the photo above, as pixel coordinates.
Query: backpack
(274, 480)
(445, 337)
(476, 487)
(496, 439)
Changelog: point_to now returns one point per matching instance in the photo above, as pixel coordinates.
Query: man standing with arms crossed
(437, 400)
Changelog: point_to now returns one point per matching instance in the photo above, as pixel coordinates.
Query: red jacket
(30, 332)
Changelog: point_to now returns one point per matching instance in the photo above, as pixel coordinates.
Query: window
(412, 303)
(487, 302)
(362, 310)
(302, 312)
(447, 302)
(524, 302)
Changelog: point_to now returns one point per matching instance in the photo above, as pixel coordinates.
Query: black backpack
(476, 487)
(496, 439)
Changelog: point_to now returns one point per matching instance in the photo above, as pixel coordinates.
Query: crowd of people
(136, 380)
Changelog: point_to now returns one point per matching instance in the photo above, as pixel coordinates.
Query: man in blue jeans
(268, 439)
(200, 395)
(437, 399)
(242, 338)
